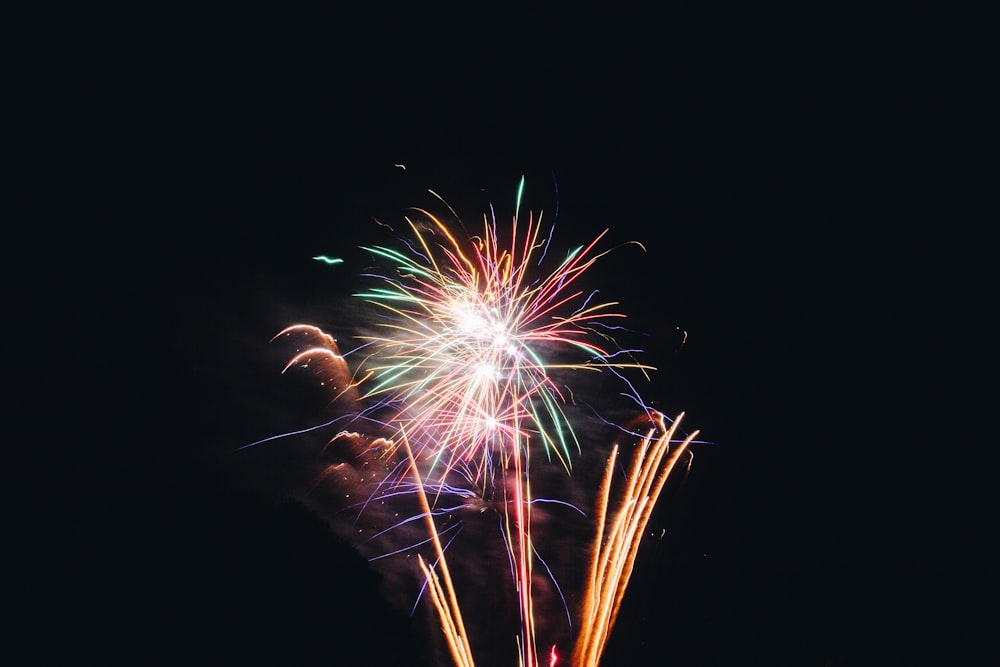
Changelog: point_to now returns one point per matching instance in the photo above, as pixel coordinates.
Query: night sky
(784, 173)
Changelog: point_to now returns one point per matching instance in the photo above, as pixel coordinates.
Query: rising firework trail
(616, 543)
(462, 382)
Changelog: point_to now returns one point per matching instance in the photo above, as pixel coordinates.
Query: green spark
(520, 191)
(328, 260)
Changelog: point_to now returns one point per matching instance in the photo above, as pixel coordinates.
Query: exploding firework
(463, 380)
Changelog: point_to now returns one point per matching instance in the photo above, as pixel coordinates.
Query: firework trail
(616, 544)
(462, 375)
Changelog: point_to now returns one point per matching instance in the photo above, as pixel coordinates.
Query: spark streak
(615, 546)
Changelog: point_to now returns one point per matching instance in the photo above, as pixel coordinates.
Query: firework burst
(460, 364)
(463, 375)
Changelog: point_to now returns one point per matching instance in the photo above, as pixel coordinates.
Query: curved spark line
(461, 370)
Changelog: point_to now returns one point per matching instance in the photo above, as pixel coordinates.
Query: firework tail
(522, 556)
(615, 546)
(443, 596)
(444, 599)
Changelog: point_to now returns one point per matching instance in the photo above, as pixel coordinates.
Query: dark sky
(784, 172)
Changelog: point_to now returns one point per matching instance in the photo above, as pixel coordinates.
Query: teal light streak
(520, 191)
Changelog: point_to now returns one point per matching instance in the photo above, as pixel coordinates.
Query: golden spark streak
(615, 547)
(445, 601)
